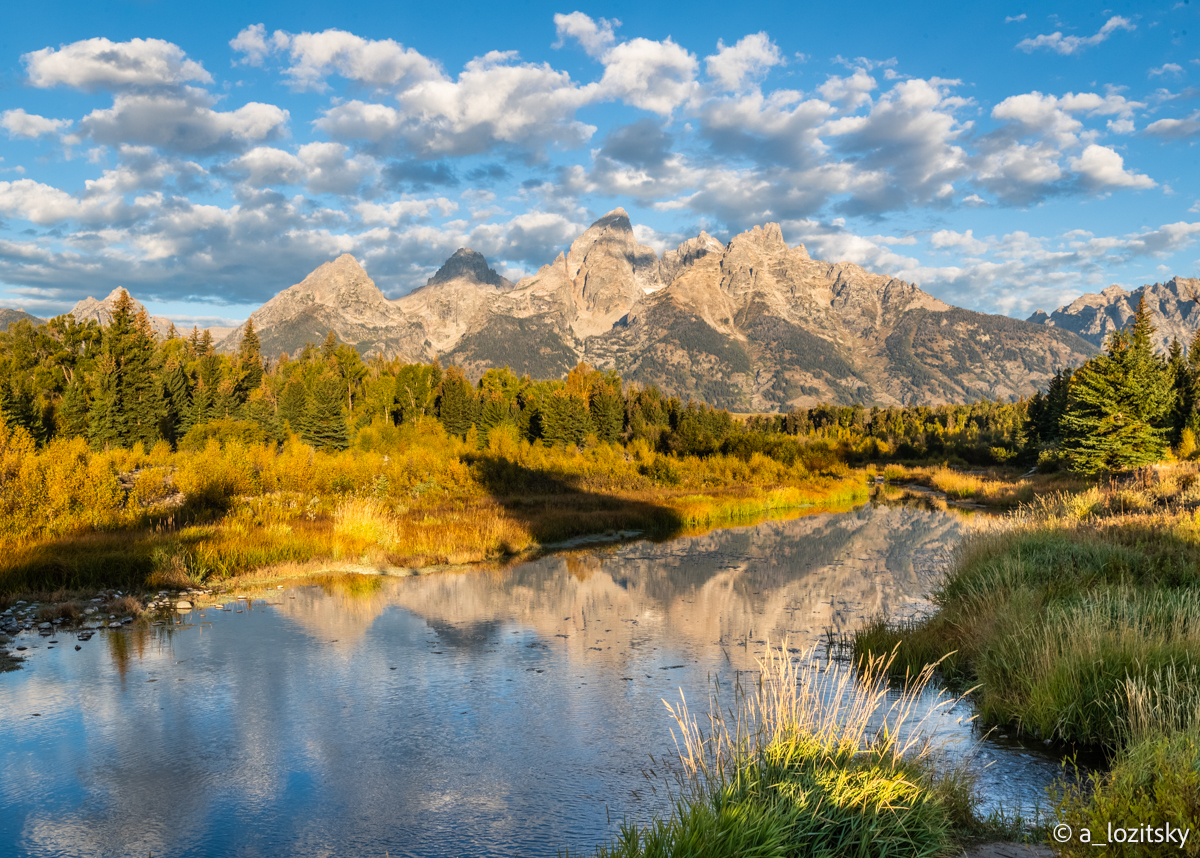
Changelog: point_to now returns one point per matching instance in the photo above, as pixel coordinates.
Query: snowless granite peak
(101, 311)
(470, 265)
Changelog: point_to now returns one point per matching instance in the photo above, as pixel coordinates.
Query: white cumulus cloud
(99, 63)
(734, 67)
(18, 123)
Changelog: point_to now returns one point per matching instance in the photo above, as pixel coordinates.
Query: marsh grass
(410, 497)
(812, 760)
(1079, 617)
(998, 487)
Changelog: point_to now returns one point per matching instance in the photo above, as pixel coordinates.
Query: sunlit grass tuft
(810, 761)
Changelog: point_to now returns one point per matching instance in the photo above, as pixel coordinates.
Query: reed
(812, 760)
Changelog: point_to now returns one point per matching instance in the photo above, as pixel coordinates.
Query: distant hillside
(8, 317)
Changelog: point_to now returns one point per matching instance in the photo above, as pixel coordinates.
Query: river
(483, 712)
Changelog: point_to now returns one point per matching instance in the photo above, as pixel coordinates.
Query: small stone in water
(78, 647)
(114, 625)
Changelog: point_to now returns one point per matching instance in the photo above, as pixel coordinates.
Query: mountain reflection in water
(502, 712)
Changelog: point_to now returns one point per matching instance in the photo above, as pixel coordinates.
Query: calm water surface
(507, 712)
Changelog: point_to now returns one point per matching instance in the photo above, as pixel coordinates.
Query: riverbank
(80, 520)
(1078, 618)
(1001, 488)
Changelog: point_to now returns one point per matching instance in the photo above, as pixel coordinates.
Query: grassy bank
(995, 487)
(73, 518)
(796, 768)
(1079, 618)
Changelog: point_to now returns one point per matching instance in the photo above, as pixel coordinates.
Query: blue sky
(205, 156)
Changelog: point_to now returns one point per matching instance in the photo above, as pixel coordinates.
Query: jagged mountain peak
(673, 262)
(101, 311)
(467, 264)
(767, 238)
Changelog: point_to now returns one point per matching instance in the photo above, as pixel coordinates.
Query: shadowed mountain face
(1175, 304)
(9, 317)
(754, 325)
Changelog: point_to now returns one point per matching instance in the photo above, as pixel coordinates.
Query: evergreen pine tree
(494, 411)
(456, 403)
(142, 396)
(204, 405)
(1119, 403)
(106, 418)
(177, 402)
(126, 408)
(324, 422)
(71, 419)
(261, 410)
(250, 358)
(1180, 378)
(329, 347)
(291, 404)
(608, 410)
(565, 418)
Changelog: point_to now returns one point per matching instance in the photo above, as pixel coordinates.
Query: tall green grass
(808, 762)
(1079, 617)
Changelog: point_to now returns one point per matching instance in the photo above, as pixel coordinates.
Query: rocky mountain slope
(338, 296)
(754, 325)
(462, 288)
(8, 317)
(1175, 304)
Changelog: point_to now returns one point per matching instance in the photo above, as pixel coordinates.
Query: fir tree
(608, 410)
(456, 403)
(177, 402)
(495, 411)
(106, 418)
(260, 409)
(291, 404)
(565, 418)
(1118, 405)
(127, 405)
(324, 422)
(1180, 378)
(72, 418)
(141, 396)
(250, 363)
(204, 405)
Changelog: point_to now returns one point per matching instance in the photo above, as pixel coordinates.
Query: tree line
(119, 385)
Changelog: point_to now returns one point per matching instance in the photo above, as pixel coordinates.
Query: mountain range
(752, 325)
(1175, 304)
